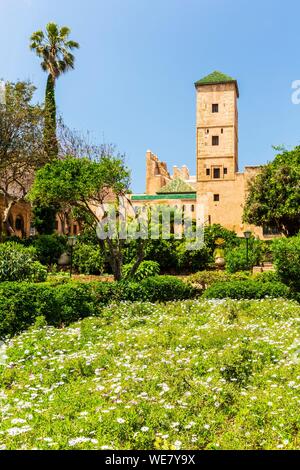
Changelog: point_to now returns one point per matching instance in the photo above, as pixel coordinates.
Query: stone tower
(218, 180)
(216, 128)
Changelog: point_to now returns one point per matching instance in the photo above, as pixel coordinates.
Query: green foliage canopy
(274, 194)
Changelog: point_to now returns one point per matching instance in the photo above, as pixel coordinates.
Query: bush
(38, 272)
(74, 300)
(145, 269)
(192, 260)
(215, 231)
(163, 251)
(205, 279)
(247, 290)
(21, 303)
(268, 276)
(286, 253)
(165, 288)
(154, 289)
(236, 259)
(17, 263)
(49, 248)
(88, 259)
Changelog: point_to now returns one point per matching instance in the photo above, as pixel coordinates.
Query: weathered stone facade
(20, 218)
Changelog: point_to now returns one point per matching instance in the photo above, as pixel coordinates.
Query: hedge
(247, 290)
(21, 303)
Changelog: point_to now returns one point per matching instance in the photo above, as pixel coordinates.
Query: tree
(85, 186)
(79, 144)
(21, 145)
(44, 219)
(70, 143)
(54, 47)
(274, 194)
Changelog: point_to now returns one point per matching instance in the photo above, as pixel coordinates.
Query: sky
(133, 84)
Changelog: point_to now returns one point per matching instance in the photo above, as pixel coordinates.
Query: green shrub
(164, 288)
(205, 279)
(164, 252)
(215, 231)
(21, 303)
(267, 276)
(236, 259)
(286, 253)
(131, 291)
(247, 290)
(153, 289)
(18, 263)
(104, 292)
(145, 269)
(38, 272)
(65, 302)
(49, 248)
(75, 300)
(192, 260)
(238, 365)
(88, 259)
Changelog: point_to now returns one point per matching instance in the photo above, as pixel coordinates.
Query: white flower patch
(3, 356)
(16, 431)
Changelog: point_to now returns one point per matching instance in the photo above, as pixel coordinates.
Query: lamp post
(71, 242)
(247, 235)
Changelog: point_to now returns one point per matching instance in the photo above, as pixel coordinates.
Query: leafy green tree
(21, 145)
(44, 219)
(55, 49)
(85, 186)
(286, 252)
(274, 194)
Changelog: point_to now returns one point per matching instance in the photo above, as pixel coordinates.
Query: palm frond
(38, 36)
(54, 49)
(52, 30)
(72, 45)
(64, 32)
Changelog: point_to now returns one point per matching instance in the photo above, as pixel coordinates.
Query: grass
(190, 375)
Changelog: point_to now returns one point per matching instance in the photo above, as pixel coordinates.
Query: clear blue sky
(133, 82)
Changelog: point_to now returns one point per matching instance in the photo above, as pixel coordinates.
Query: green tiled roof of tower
(176, 186)
(217, 78)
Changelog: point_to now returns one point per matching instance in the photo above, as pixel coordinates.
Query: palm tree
(54, 47)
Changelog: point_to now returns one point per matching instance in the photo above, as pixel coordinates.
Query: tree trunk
(6, 223)
(117, 269)
(50, 139)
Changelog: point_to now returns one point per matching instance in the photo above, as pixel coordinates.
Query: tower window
(221, 131)
(215, 108)
(192, 208)
(207, 171)
(207, 131)
(216, 197)
(225, 171)
(216, 173)
(215, 140)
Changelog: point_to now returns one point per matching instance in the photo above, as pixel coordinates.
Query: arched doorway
(20, 225)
